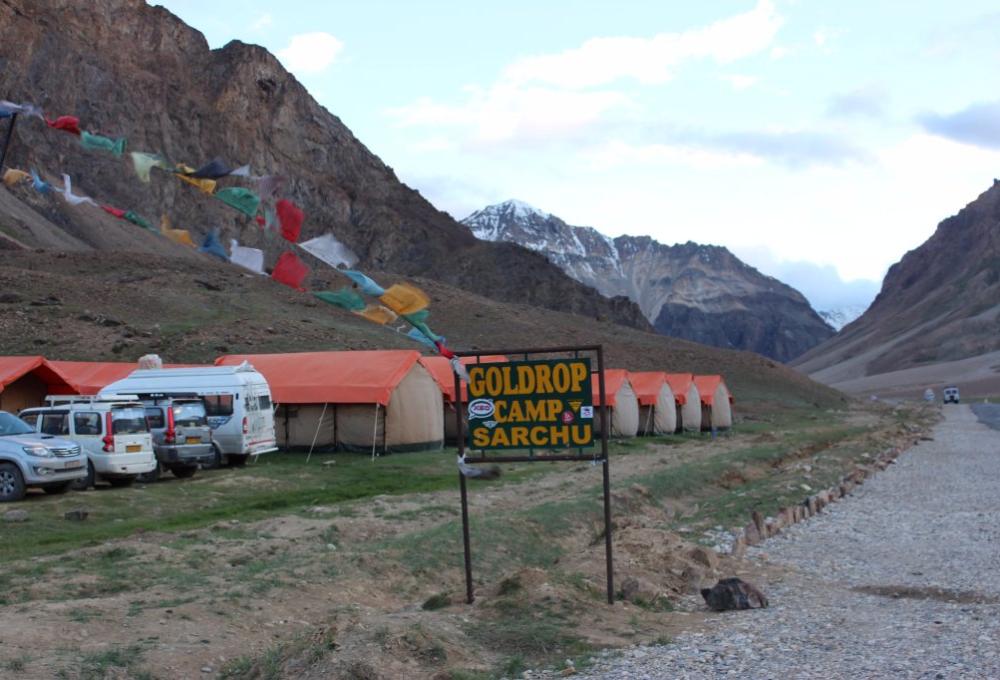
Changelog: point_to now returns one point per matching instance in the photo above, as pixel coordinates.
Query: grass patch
(436, 601)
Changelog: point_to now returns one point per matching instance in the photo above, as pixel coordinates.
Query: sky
(818, 141)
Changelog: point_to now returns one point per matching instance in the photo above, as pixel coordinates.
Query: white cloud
(262, 22)
(740, 82)
(310, 53)
(601, 61)
(621, 154)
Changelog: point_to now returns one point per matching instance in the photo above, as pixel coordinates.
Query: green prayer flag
(418, 321)
(344, 298)
(98, 143)
(418, 317)
(241, 199)
(137, 220)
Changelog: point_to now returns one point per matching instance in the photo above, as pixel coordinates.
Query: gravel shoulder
(898, 580)
(988, 414)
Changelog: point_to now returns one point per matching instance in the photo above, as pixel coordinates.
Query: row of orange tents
(387, 400)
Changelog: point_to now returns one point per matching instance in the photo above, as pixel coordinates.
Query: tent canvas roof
(707, 384)
(15, 368)
(90, 377)
(362, 377)
(647, 385)
(680, 383)
(440, 370)
(614, 378)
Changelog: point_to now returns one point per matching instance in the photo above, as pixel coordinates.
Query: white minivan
(113, 432)
(237, 401)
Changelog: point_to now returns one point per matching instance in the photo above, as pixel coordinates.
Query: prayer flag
(10, 108)
(418, 335)
(120, 214)
(330, 250)
(138, 221)
(290, 270)
(179, 236)
(144, 162)
(13, 176)
(367, 286)
(290, 216)
(207, 186)
(41, 186)
(68, 193)
(94, 142)
(70, 124)
(239, 198)
(213, 246)
(214, 169)
(344, 298)
(248, 258)
(404, 299)
(377, 314)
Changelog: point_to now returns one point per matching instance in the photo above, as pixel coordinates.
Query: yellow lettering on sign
(499, 438)
(543, 377)
(539, 435)
(579, 375)
(498, 411)
(519, 436)
(480, 438)
(559, 435)
(581, 434)
(526, 379)
(516, 413)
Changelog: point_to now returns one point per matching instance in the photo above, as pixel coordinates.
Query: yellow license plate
(133, 448)
(194, 440)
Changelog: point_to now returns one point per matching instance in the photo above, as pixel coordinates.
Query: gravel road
(897, 581)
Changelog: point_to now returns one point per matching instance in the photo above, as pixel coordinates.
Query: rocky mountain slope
(128, 69)
(940, 303)
(701, 293)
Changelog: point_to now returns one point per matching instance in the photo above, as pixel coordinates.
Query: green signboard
(545, 404)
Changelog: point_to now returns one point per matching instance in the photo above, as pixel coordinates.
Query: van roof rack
(54, 399)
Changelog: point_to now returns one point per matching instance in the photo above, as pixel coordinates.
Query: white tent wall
(624, 414)
(416, 414)
(691, 411)
(660, 418)
(358, 429)
(303, 421)
(722, 410)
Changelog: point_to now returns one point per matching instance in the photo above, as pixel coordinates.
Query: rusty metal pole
(605, 426)
(460, 443)
(6, 140)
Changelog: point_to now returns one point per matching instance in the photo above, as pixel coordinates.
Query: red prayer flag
(290, 270)
(120, 214)
(70, 124)
(444, 351)
(290, 216)
(260, 220)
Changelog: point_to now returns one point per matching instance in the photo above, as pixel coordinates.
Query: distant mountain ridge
(939, 303)
(697, 292)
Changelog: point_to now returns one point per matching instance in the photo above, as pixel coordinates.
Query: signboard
(543, 404)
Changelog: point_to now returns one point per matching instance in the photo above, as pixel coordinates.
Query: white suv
(113, 432)
(951, 394)
(29, 459)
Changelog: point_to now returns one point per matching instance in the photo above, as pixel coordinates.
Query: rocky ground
(895, 581)
(988, 414)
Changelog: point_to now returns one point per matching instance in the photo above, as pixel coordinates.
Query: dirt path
(896, 581)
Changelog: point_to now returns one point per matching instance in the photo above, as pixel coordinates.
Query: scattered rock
(705, 557)
(13, 516)
(751, 534)
(629, 588)
(77, 515)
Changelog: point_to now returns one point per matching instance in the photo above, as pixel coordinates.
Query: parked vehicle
(237, 402)
(182, 438)
(951, 395)
(31, 459)
(929, 395)
(112, 432)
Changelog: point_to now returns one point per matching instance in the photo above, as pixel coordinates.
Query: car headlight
(38, 450)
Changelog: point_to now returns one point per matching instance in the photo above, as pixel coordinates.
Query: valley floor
(895, 581)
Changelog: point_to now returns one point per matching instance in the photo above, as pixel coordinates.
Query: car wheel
(119, 482)
(216, 459)
(56, 489)
(184, 471)
(11, 483)
(237, 461)
(151, 476)
(85, 483)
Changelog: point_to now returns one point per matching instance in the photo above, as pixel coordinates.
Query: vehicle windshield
(189, 413)
(10, 425)
(129, 420)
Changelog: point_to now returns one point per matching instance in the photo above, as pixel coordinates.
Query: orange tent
(90, 377)
(657, 407)
(367, 400)
(25, 380)
(688, 401)
(716, 402)
(621, 401)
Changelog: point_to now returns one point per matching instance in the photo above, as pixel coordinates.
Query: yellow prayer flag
(206, 185)
(13, 176)
(404, 298)
(377, 314)
(180, 236)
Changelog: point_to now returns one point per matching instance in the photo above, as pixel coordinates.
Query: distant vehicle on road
(928, 394)
(951, 395)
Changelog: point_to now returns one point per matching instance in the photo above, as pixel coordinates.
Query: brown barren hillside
(118, 306)
(939, 305)
(127, 69)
